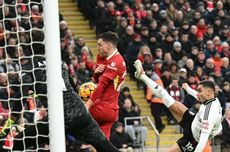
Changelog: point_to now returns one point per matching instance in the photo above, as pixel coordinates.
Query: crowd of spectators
(179, 41)
(21, 47)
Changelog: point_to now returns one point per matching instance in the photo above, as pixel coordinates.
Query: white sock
(158, 90)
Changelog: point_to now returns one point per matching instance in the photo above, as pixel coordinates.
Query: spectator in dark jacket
(226, 131)
(121, 139)
(108, 22)
(132, 53)
(132, 125)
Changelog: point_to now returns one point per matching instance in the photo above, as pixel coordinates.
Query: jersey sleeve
(192, 92)
(111, 70)
(103, 82)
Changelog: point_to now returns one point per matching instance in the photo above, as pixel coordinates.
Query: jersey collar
(208, 101)
(112, 54)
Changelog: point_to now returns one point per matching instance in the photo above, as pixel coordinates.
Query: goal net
(24, 60)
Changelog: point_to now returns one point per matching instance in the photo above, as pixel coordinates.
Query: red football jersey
(114, 74)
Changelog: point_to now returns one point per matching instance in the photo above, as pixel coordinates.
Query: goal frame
(54, 76)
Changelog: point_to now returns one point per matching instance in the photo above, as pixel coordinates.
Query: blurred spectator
(175, 90)
(144, 50)
(226, 131)
(189, 66)
(171, 11)
(147, 21)
(200, 59)
(87, 57)
(120, 139)
(71, 41)
(221, 96)
(157, 106)
(132, 53)
(140, 12)
(63, 29)
(217, 25)
(210, 50)
(79, 45)
(225, 49)
(201, 26)
(225, 68)
(147, 64)
(209, 67)
(217, 44)
(188, 12)
(166, 77)
(177, 93)
(217, 76)
(226, 91)
(158, 54)
(182, 76)
(121, 27)
(167, 44)
(177, 52)
(83, 75)
(134, 125)
(199, 73)
(98, 11)
(186, 43)
(145, 34)
(119, 5)
(209, 34)
(174, 69)
(167, 60)
(157, 66)
(194, 53)
(108, 18)
(153, 28)
(125, 40)
(125, 93)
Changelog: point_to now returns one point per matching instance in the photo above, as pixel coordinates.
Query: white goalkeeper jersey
(207, 122)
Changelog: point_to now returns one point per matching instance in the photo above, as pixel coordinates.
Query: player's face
(102, 47)
(203, 93)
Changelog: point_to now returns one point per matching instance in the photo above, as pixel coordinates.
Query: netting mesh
(23, 101)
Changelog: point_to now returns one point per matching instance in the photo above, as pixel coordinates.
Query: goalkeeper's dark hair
(208, 84)
(110, 37)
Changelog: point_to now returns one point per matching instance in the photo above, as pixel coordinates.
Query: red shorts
(105, 117)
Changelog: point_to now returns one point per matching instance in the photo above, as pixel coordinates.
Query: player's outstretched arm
(189, 90)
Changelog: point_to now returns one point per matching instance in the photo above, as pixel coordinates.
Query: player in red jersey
(110, 75)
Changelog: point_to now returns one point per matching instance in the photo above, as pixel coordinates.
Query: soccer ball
(86, 90)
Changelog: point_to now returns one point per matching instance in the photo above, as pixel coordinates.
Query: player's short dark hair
(110, 37)
(208, 84)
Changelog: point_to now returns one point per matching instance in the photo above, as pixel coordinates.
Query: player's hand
(185, 86)
(88, 104)
(100, 68)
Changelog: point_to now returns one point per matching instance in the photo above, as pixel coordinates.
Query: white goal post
(54, 77)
